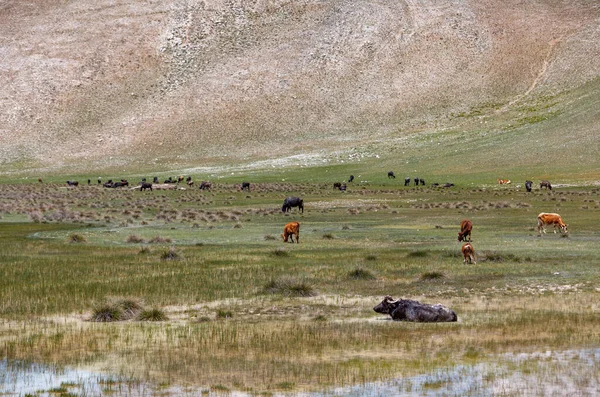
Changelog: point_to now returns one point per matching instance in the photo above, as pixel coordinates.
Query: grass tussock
(159, 240)
(116, 310)
(418, 254)
(361, 274)
(152, 315)
(170, 254)
(134, 239)
(432, 276)
(290, 287)
(77, 238)
(280, 253)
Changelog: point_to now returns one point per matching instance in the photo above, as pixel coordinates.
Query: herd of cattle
(399, 310)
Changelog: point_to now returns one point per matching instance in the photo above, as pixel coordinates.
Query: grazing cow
(503, 181)
(391, 175)
(204, 185)
(550, 219)
(108, 184)
(337, 185)
(465, 230)
(290, 202)
(145, 185)
(180, 178)
(406, 181)
(290, 230)
(410, 310)
(245, 186)
(468, 253)
(72, 183)
(528, 185)
(343, 187)
(351, 178)
(545, 184)
(190, 183)
(422, 182)
(416, 181)
(448, 185)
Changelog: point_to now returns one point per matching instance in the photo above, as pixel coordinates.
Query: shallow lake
(571, 372)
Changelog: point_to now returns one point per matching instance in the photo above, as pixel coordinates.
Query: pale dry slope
(169, 84)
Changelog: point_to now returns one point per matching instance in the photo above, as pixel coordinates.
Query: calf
(528, 185)
(468, 253)
(246, 186)
(550, 219)
(290, 230)
(422, 182)
(351, 178)
(545, 184)
(290, 202)
(391, 175)
(410, 310)
(406, 181)
(145, 186)
(465, 230)
(416, 181)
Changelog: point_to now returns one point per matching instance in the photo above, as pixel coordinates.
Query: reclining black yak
(409, 310)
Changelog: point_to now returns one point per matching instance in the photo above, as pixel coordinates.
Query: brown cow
(290, 230)
(550, 219)
(468, 253)
(545, 184)
(503, 181)
(465, 230)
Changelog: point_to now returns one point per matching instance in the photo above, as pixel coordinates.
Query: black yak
(290, 202)
(409, 310)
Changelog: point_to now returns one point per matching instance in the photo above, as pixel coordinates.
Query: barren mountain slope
(105, 83)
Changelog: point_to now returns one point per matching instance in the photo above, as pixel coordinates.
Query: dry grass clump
(152, 315)
(417, 254)
(134, 239)
(280, 252)
(159, 240)
(116, 310)
(361, 274)
(170, 254)
(77, 238)
(270, 237)
(432, 276)
(290, 287)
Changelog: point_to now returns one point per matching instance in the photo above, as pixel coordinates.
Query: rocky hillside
(156, 84)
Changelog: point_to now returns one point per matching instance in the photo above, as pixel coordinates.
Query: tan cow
(465, 230)
(290, 230)
(550, 219)
(503, 181)
(468, 253)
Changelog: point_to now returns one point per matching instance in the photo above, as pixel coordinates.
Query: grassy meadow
(228, 306)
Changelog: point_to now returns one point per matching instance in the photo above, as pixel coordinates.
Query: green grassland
(247, 312)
